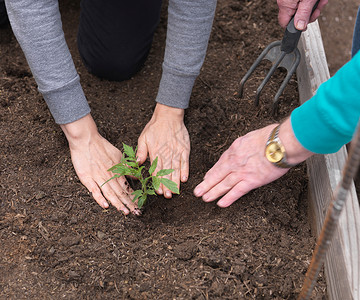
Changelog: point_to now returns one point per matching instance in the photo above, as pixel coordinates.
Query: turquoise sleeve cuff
(328, 120)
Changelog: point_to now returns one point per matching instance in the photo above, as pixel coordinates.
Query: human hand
(302, 10)
(166, 137)
(92, 156)
(244, 167)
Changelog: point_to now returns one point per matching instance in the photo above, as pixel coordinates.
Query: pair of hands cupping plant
(129, 166)
(165, 137)
(165, 141)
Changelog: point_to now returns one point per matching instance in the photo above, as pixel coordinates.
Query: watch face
(273, 152)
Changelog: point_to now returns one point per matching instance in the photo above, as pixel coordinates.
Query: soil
(337, 23)
(56, 242)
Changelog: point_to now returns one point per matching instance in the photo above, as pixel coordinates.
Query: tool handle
(292, 35)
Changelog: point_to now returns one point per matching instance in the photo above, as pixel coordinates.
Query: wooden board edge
(342, 263)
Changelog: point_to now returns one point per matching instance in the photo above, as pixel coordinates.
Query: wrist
(164, 111)
(295, 152)
(80, 131)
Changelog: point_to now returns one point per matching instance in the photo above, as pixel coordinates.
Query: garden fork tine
(281, 54)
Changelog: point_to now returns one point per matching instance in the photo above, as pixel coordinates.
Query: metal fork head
(278, 59)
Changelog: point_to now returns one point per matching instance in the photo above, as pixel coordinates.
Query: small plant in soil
(129, 166)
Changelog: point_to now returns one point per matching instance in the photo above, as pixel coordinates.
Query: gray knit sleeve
(188, 32)
(38, 29)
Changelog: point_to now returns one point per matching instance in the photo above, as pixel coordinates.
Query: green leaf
(115, 176)
(171, 185)
(151, 192)
(144, 181)
(137, 194)
(141, 201)
(164, 172)
(124, 160)
(129, 151)
(132, 164)
(134, 172)
(155, 182)
(153, 166)
(137, 172)
(122, 170)
(116, 166)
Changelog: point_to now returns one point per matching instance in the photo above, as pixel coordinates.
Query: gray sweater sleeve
(38, 29)
(188, 32)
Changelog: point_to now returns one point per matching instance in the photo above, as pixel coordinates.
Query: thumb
(142, 150)
(303, 14)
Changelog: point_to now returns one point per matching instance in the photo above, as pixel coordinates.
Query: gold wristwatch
(275, 151)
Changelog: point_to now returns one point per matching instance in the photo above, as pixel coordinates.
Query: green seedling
(129, 166)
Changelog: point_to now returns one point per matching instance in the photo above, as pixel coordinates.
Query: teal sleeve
(328, 120)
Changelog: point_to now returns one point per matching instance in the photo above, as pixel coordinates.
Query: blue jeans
(356, 37)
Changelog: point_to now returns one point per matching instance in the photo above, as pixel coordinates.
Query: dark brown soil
(337, 24)
(56, 242)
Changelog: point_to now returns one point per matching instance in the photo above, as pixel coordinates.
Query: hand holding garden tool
(281, 54)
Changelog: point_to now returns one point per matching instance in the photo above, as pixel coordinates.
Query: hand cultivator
(281, 54)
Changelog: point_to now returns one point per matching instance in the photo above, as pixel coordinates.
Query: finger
(160, 191)
(318, 10)
(175, 175)
(303, 14)
(222, 187)
(125, 185)
(322, 4)
(142, 150)
(124, 193)
(167, 162)
(286, 11)
(222, 167)
(235, 193)
(215, 175)
(314, 16)
(112, 196)
(184, 166)
(95, 191)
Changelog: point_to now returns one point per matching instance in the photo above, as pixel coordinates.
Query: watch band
(274, 137)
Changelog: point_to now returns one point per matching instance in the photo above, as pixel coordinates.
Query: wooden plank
(342, 264)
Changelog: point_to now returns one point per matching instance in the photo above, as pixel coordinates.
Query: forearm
(38, 29)
(188, 32)
(328, 120)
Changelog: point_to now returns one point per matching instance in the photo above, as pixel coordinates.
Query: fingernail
(205, 198)
(125, 211)
(105, 204)
(138, 159)
(197, 192)
(160, 191)
(136, 212)
(184, 178)
(300, 25)
(168, 194)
